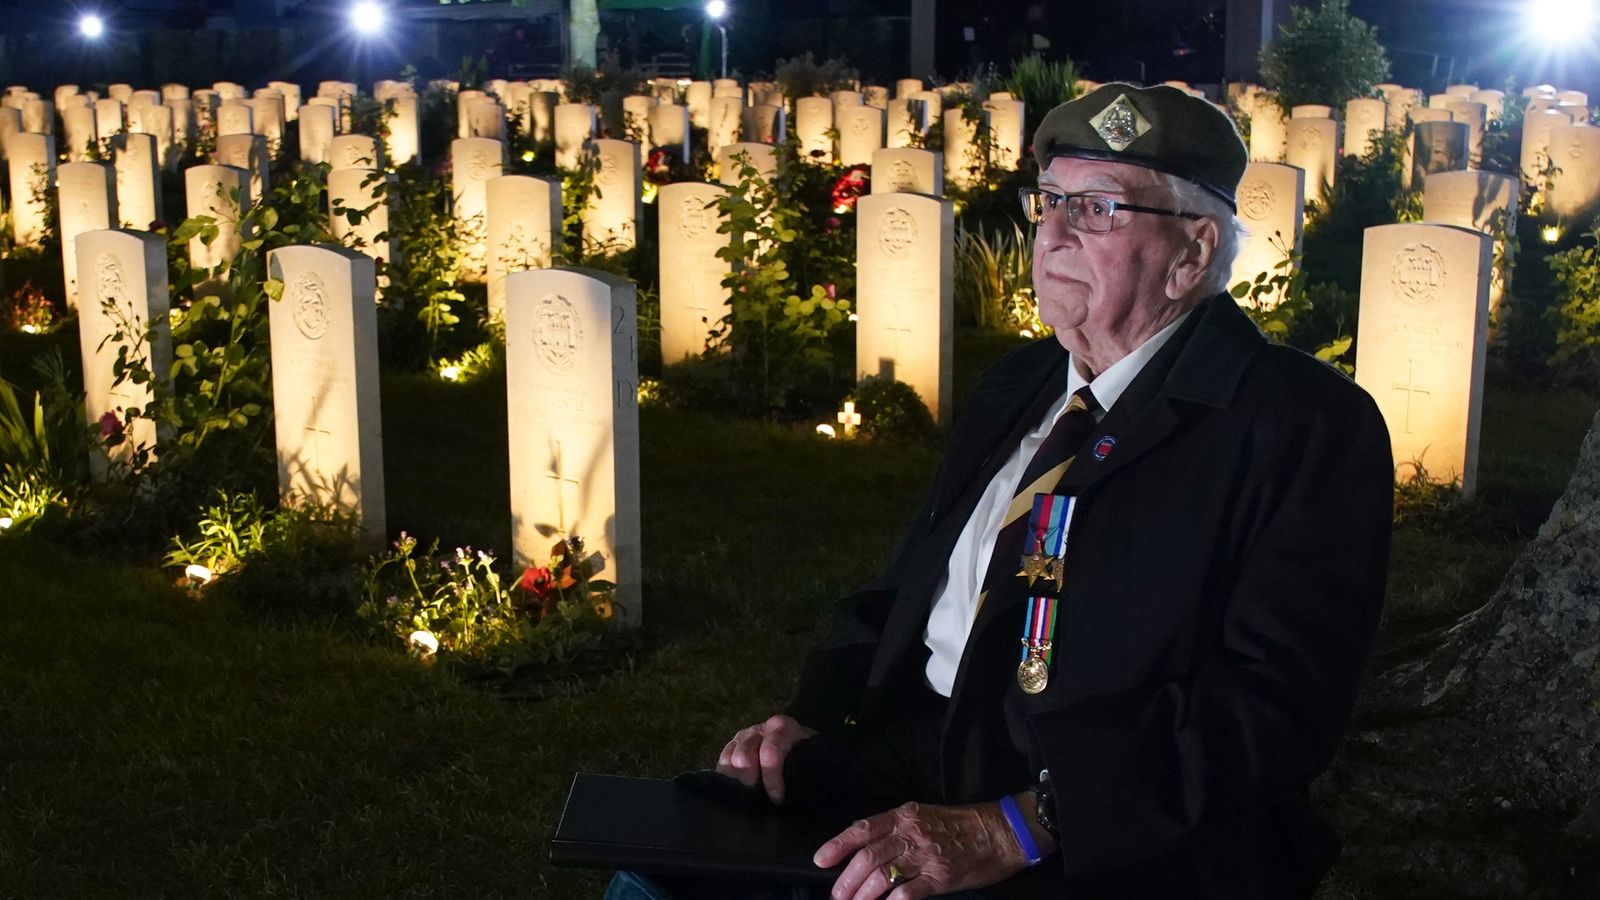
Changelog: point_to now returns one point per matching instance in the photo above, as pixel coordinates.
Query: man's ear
(1196, 250)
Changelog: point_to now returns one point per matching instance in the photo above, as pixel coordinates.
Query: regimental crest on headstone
(308, 298)
(557, 333)
(1256, 200)
(694, 219)
(112, 284)
(860, 125)
(478, 166)
(897, 231)
(905, 175)
(1310, 139)
(1418, 274)
(1120, 124)
(1575, 147)
(608, 170)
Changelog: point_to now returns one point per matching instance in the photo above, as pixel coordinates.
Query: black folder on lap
(653, 825)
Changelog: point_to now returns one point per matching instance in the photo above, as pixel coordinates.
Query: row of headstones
(1447, 136)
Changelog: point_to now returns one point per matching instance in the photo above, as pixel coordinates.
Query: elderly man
(1127, 629)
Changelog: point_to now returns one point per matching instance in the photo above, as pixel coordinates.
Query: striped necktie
(1044, 472)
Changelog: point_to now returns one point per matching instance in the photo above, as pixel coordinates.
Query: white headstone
(761, 156)
(905, 87)
(366, 193)
(234, 117)
(1313, 146)
(107, 118)
(157, 121)
(1536, 128)
(473, 161)
(961, 148)
(248, 152)
(1272, 203)
(1482, 201)
(39, 116)
(353, 151)
(1575, 186)
(1269, 133)
(86, 195)
(1005, 125)
(325, 403)
(727, 117)
(874, 95)
(138, 181)
(669, 129)
(1420, 343)
(813, 120)
(698, 98)
(1436, 147)
(78, 131)
(764, 124)
(906, 122)
(636, 119)
(572, 375)
(316, 133)
(905, 275)
(611, 220)
(860, 134)
(127, 272)
(267, 119)
(31, 164)
(404, 143)
(486, 119)
(524, 229)
(693, 300)
(541, 121)
(575, 128)
(222, 193)
(907, 170)
(1364, 119)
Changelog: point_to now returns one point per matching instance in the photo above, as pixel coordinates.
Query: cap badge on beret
(1119, 124)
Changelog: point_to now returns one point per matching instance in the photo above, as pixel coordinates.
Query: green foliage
(803, 76)
(461, 607)
(27, 309)
(994, 280)
(891, 411)
(1577, 271)
(1316, 318)
(1041, 85)
(1325, 56)
(295, 560)
(586, 85)
(48, 441)
(777, 328)
(26, 496)
(423, 302)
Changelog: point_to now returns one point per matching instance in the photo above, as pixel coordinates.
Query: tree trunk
(584, 29)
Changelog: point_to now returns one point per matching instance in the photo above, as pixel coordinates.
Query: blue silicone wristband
(1019, 827)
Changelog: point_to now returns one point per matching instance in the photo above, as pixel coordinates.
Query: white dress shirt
(955, 600)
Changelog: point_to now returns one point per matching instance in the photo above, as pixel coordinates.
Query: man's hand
(935, 850)
(756, 754)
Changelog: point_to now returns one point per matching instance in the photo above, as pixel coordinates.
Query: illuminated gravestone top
(636, 120)
(473, 161)
(138, 180)
(233, 117)
(960, 148)
(905, 271)
(693, 300)
(325, 401)
(813, 119)
(1006, 126)
(1364, 120)
(1311, 111)
(221, 193)
(86, 195)
(764, 124)
(108, 118)
(669, 130)
(1421, 342)
(248, 152)
(575, 128)
(727, 122)
(31, 165)
(698, 98)
(860, 134)
(1575, 186)
(317, 130)
(524, 228)
(611, 219)
(905, 87)
(1313, 146)
(1271, 200)
(905, 122)
(159, 123)
(1485, 202)
(761, 156)
(366, 191)
(572, 382)
(907, 170)
(1536, 128)
(353, 151)
(128, 270)
(1269, 132)
(1436, 147)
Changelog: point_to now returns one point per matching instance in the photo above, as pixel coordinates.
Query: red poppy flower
(110, 425)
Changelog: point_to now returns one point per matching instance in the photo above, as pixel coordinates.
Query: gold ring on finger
(896, 877)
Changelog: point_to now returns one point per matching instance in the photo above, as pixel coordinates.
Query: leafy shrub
(891, 412)
(1041, 85)
(992, 272)
(803, 76)
(1325, 56)
(49, 442)
(1577, 271)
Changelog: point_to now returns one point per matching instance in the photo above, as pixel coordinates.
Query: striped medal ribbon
(1047, 535)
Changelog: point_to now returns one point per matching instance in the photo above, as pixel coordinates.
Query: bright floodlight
(1561, 21)
(366, 17)
(716, 9)
(91, 26)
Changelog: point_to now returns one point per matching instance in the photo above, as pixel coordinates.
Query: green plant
(423, 300)
(891, 411)
(1041, 85)
(803, 76)
(51, 440)
(1577, 271)
(26, 496)
(231, 528)
(27, 309)
(992, 272)
(775, 335)
(462, 609)
(1289, 309)
(1325, 56)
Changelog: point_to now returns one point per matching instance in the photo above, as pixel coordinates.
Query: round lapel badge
(1102, 447)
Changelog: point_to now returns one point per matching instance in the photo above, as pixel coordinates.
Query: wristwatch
(1044, 804)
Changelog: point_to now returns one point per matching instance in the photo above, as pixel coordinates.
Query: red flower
(536, 581)
(110, 425)
(852, 184)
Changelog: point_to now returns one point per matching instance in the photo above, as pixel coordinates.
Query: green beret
(1159, 128)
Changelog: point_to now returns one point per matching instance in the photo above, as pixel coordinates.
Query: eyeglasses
(1092, 213)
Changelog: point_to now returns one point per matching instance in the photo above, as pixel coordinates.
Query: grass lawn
(154, 746)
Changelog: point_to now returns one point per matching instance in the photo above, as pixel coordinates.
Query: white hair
(1192, 198)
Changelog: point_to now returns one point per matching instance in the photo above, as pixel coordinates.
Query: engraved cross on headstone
(1411, 390)
(886, 366)
(558, 475)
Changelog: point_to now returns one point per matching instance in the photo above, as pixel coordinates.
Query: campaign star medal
(1047, 528)
(1120, 124)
